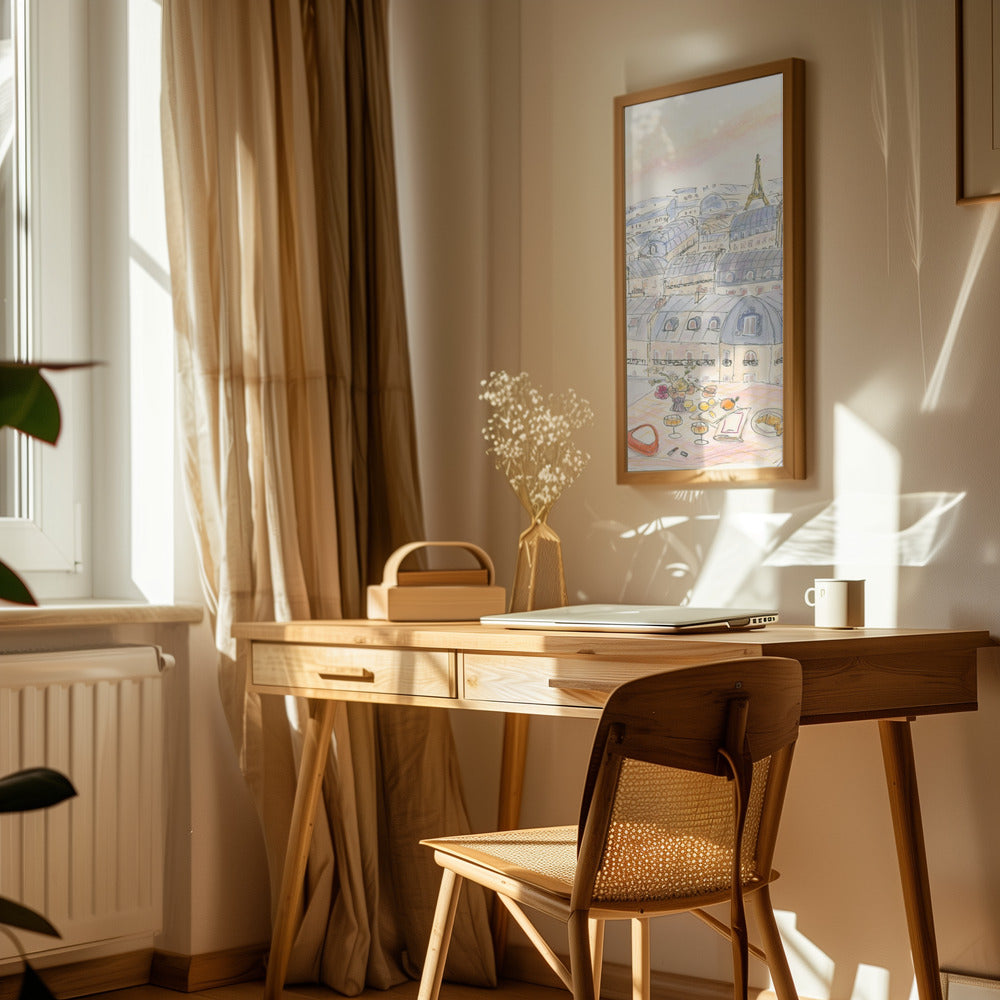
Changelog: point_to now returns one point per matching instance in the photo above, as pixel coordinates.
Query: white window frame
(49, 546)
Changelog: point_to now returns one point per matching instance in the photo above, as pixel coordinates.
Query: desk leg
(315, 746)
(901, 780)
(515, 745)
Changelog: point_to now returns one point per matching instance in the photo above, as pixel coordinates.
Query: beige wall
(504, 133)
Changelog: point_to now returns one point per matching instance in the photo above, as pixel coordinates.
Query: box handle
(389, 575)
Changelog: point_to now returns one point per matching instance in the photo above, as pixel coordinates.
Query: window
(694, 323)
(44, 253)
(101, 521)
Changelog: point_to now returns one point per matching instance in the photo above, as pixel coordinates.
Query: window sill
(78, 614)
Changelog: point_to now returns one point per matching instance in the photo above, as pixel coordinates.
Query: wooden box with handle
(436, 595)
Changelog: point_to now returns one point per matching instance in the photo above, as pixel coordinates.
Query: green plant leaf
(34, 788)
(32, 987)
(12, 587)
(27, 402)
(15, 915)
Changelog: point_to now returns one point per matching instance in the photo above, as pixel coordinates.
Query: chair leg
(597, 951)
(437, 947)
(580, 963)
(741, 959)
(640, 959)
(777, 962)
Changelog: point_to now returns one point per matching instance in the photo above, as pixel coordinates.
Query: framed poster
(710, 279)
(977, 43)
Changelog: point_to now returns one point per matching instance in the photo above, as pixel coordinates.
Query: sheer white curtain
(299, 453)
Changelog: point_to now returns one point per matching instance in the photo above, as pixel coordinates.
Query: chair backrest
(688, 774)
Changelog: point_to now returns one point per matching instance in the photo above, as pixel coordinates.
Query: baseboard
(523, 963)
(183, 973)
(92, 975)
(191, 973)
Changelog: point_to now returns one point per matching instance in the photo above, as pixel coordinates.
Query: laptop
(654, 618)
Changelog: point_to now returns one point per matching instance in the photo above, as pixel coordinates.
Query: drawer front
(426, 673)
(579, 682)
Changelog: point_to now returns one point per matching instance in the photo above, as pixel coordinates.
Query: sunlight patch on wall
(880, 110)
(722, 554)
(653, 527)
(914, 216)
(925, 522)
(151, 338)
(745, 533)
(811, 968)
(987, 223)
(871, 983)
(866, 475)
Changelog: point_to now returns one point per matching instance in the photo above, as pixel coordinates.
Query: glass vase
(539, 581)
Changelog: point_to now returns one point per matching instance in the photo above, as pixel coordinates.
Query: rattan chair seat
(544, 857)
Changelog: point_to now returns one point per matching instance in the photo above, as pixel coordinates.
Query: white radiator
(92, 865)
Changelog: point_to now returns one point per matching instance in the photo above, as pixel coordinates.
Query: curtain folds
(298, 436)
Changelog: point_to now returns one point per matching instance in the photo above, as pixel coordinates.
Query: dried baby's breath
(530, 438)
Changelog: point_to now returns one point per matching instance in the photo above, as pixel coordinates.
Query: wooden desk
(889, 675)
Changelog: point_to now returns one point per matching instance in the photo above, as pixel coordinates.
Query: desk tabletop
(798, 641)
(846, 673)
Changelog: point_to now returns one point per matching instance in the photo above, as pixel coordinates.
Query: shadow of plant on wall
(28, 404)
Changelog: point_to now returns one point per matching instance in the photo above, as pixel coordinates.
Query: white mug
(838, 603)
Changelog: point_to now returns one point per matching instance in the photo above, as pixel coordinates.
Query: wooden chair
(680, 810)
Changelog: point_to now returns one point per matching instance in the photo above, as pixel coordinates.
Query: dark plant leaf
(32, 987)
(34, 788)
(15, 915)
(27, 402)
(12, 587)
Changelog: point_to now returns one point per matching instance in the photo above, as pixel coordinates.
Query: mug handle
(811, 591)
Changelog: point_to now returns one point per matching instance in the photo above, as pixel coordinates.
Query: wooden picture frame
(710, 275)
(977, 92)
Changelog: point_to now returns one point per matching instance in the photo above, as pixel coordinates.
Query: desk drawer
(581, 682)
(427, 673)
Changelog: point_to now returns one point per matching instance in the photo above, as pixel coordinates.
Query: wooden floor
(408, 991)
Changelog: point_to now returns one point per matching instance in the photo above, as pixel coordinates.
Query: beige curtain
(299, 456)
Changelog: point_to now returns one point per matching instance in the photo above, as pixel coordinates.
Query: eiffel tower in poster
(757, 188)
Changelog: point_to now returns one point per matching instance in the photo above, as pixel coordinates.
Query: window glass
(12, 500)
(45, 283)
